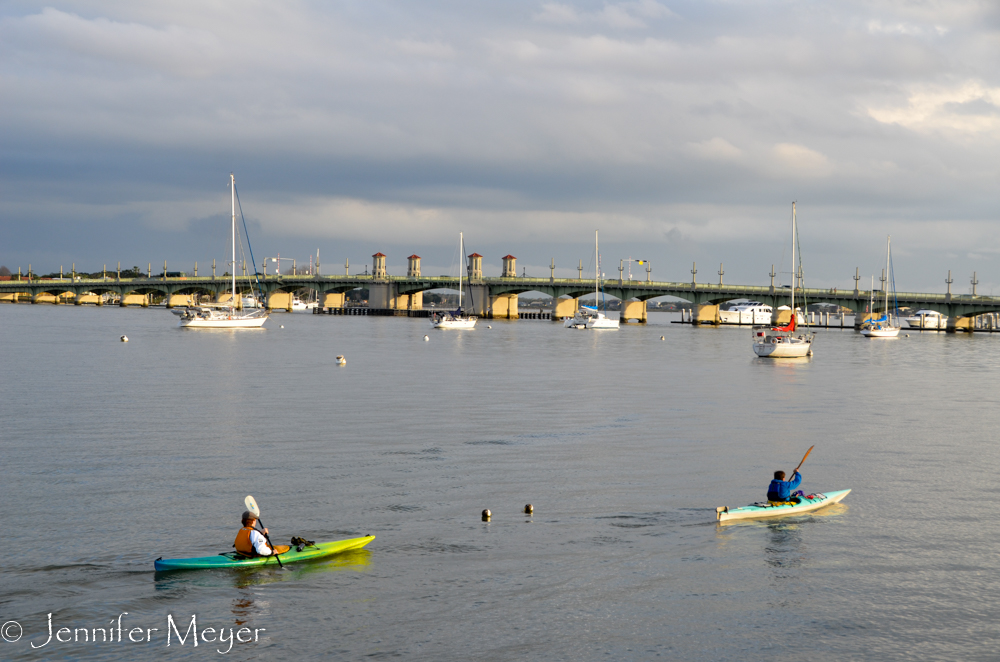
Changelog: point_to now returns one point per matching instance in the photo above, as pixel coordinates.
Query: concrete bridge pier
(332, 300)
(564, 308)
(504, 306)
(635, 310)
(960, 324)
(477, 299)
(707, 313)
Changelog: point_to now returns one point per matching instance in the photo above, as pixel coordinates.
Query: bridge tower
(475, 267)
(413, 266)
(378, 265)
(509, 266)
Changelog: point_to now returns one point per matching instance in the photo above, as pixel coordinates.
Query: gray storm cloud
(680, 129)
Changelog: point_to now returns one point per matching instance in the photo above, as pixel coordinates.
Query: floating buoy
(341, 360)
(661, 337)
(427, 337)
(529, 509)
(282, 326)
(906, 335)
(124, 339)
(488, 326)
(486, 515)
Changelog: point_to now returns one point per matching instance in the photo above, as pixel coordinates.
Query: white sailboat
(591, 318)
(455, 320)
(227, 317)
(782, 342)
(886, 325)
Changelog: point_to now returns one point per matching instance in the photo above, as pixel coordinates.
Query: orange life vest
(243, 544)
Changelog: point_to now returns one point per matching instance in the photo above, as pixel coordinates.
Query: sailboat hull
(237, 323)
(890, 332)
(467, 323)
(781, 348)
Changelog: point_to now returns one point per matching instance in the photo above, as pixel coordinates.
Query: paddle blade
(252, 505)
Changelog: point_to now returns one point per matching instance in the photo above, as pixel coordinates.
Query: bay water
(115, 454)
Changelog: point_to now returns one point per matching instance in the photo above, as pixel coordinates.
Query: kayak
(804, 504)
(234, 560)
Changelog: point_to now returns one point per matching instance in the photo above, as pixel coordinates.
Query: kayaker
(250, 541)
(780, 489)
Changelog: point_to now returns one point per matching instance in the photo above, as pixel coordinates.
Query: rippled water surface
(115, 454)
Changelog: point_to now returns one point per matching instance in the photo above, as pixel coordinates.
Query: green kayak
(233, 560)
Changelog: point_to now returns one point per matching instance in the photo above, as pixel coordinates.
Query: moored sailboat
(587, 317)
(225, 317)
(887, 324)
(456, 319)
(782, 342)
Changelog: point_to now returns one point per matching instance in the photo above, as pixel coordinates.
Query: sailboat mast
(888, 238)
(795, 271)
(461, 268)
(232, 182)
(597, 273)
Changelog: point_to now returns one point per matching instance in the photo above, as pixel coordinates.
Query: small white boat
(927, 319)
(783, 342)
(587, 317)
(886, 326)
(455, 319)
(206, 317)
(764, 509)
(750, 312)
(299, 306)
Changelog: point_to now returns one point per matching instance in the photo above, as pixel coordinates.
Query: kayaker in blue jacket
(781, 489)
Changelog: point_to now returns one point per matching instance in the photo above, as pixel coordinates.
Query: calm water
(117, 453)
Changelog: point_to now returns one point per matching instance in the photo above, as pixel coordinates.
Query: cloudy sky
(681, 130)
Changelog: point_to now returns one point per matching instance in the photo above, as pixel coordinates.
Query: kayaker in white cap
(250, 541)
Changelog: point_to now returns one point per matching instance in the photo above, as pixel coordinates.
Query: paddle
(796, 468)
(252, 507)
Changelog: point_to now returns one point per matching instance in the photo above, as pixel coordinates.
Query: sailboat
(884, 326)
(455, 320)
(587, 317)
(228, 317)
(782, 342)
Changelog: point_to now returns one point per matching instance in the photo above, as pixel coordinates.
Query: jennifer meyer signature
(119, 632)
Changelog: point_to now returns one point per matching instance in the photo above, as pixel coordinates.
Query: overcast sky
(681, 130)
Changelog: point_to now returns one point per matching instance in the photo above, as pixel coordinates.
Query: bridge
(487, 297)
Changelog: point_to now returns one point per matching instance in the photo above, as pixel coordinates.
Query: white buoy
(661, 337)
(124, 338)
(341, 360)
(486, 515)
(488, 326)
(427, 337)
(529, 509)
(282, 326)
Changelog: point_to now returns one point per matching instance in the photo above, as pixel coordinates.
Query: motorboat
(749, 312)
(927, 319)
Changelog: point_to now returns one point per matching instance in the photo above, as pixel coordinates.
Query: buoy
(486, 515)
(907, 335)
(529, 509)
(124, 338)
(661, 337)
(427, 337)
(488, 326)
(282, 326)
(341, 360)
